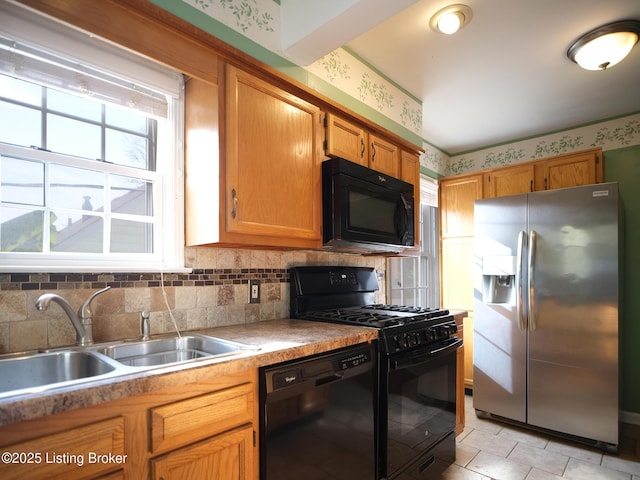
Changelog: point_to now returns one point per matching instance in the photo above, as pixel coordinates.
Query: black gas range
(346, 295)
(416, 367)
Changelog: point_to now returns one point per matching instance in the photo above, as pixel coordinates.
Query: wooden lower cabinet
(205, 430)
(468, 352)
(460, 369)
(81, 452)
(226, 456)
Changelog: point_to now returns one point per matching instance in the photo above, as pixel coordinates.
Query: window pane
(73, 137)
(131, 237)
(73, 105)
(21, 229)
(131, 195)
(76, 188)
(126, 149)
(20, 125)
(22, 181)
(20, 91)
(77, 233)
(125, 119)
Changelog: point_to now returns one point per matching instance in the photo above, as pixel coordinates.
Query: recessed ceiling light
(450, 19)
(605, 46)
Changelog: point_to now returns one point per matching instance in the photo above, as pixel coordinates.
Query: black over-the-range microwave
(364, 210)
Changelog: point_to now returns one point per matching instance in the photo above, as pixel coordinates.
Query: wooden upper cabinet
(570, 170)
(351, 141)
(346, 139)
(509, 181)
(457, 199)
(264, 189)
(410, 169)
(274, 146)
(384, 156)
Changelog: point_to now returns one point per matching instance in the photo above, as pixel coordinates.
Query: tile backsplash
(215, 293)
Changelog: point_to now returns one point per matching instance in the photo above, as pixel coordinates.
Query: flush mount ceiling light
(605, 46)
(450, 19)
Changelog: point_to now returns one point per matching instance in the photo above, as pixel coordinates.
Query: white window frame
(38, 31)
(423, 269)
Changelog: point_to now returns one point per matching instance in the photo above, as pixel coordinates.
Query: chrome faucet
(144, 326)
(82, 322)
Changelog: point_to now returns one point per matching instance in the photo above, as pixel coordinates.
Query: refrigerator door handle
(533, 238)
(520, 311)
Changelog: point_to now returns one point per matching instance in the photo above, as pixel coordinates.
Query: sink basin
(23, 372)
(162, 351)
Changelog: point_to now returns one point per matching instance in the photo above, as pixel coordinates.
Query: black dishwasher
(317, 416)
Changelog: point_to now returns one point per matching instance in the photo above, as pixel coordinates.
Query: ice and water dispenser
(499, 279)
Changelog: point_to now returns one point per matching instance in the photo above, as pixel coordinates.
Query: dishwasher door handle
(336, 377)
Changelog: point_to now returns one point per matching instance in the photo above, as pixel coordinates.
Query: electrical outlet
(254, 291)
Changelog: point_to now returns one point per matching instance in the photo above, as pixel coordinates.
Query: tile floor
(492, 450)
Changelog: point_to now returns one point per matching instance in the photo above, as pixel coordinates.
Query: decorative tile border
(199, 277)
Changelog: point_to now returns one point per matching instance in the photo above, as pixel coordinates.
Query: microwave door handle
(402, 219)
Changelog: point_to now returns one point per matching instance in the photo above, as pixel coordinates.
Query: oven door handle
(421, 356)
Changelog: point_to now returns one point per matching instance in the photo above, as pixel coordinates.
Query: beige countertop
(278, 341)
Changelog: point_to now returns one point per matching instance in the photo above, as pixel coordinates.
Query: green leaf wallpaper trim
(563, 145)
(411, 116)
(335, 67)
(623, 135)
(609, 134)
(498, 159)
(378, 91)
(246, 12)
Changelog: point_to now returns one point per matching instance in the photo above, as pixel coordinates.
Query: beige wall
(214, 294)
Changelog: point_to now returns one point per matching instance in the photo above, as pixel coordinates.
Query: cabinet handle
(362, 148)
(545, 184)
(531, 186)
(234, 197)
(373, 148)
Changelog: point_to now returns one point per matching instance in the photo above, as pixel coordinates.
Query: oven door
(420, 411)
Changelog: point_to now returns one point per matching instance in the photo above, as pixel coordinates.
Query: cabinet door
(410, 169)
(571, 171)
(54, 456)
(274, 145)
(346, 140)
(227, 456)
(509, 181)
(457, 197)
(384, 156)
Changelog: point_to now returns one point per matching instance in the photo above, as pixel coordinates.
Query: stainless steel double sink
(41, 371)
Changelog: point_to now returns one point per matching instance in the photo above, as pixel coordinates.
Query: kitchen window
(414, 281)
(90, 161)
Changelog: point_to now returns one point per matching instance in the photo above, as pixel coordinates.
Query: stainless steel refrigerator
(546, 291)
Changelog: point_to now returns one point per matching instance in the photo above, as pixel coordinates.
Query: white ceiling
(504, 76)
